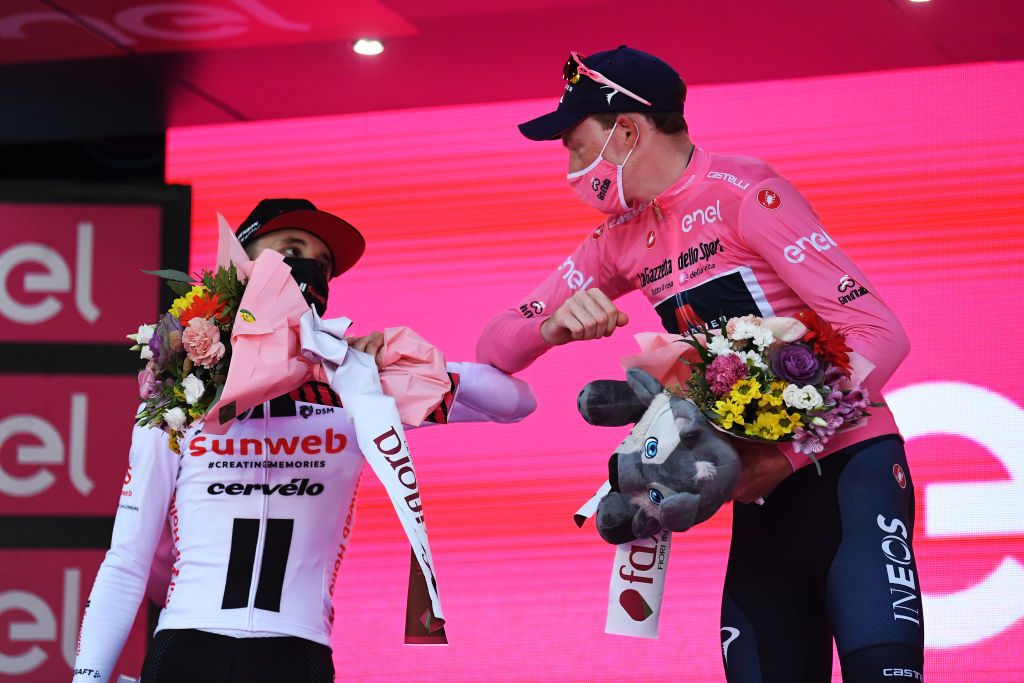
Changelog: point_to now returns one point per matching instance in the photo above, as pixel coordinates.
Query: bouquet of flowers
(777, 379)
(188, 349)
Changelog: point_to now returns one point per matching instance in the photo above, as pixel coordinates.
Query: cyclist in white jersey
(259, 517)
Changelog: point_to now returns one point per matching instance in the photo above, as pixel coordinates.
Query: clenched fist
(587, 314)
(371, 344)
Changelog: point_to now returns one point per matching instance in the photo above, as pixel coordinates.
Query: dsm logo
(306, 410)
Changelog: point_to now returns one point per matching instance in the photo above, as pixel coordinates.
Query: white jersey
(260, 518)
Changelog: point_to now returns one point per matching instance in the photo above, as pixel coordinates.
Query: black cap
(643, 74)
(344, 241)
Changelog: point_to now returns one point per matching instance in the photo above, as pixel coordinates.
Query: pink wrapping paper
(659, 356)
(265, 358)
(414, 374)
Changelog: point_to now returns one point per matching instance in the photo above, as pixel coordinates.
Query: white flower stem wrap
(353, 376)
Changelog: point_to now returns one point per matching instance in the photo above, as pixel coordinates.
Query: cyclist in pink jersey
(706, 236)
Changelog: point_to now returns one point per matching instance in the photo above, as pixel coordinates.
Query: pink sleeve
(793, 243)
(511, 340)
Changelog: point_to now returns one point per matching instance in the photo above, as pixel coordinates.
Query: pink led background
(917, 174)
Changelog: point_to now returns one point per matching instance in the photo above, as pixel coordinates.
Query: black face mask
(312, 281)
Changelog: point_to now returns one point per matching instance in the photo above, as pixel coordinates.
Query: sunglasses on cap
(574, 68)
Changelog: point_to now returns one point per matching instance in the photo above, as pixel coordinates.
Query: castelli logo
(901, 478)
(769, 199)
(597, 232)
(651, 239)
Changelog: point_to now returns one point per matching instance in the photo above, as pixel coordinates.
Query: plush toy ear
(609, 403)
(688, 417)
(615, 518)
(643, 385)
(679, 512)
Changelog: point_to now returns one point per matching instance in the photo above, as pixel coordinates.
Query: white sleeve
(486, 394)
(121, 580)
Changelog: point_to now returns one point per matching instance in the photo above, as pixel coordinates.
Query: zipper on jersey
(657, 209)
(262, 536)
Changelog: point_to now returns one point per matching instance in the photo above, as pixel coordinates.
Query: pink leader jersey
(730, 238)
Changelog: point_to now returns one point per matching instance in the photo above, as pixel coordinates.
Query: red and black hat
(345, 243)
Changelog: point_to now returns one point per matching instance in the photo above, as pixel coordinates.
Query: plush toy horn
(609, 403)
(615, 515)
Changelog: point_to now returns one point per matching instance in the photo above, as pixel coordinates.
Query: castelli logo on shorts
(651, 239)
(769, 199)
(901, 478)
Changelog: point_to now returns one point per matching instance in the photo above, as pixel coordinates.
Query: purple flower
(833, 376)
(166, 341)
(824, 425)
(725, 371)
(147, 383)
(795, 363)
(806, 441)
(854, 404)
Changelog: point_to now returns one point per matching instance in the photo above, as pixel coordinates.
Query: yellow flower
(745, 391)
(788, 422)
(772, 397)
(731, 412)
(184, 301)
(754, 429)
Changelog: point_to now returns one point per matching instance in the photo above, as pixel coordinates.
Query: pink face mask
(600, 184)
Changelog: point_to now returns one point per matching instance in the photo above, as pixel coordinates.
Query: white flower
(763, 338)
(752, 358)
(145, 352)
(744, 329)
(144, 334)
(801, 398)
(720, 346)
(175, 418)
(194, 389)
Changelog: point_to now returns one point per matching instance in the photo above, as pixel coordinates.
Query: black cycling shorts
(826, 557)
(200, 657)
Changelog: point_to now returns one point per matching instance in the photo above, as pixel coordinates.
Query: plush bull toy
(673, 471)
